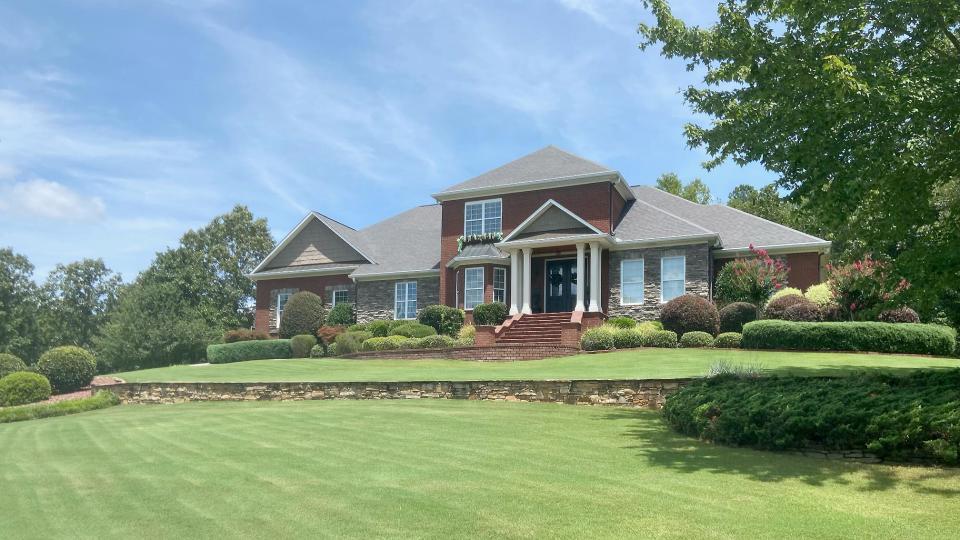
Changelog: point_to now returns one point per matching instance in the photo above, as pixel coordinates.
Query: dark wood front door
(561, 285)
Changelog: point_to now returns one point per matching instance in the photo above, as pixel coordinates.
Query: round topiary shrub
(820, 294)
(690, 313)
(692, 340)
(10, 364)
(776, 307)
(728, 340)
(803, 312)
(899, 315)
(785, 291)
(445, 320)
(437, 342)
(734, 316)
(302, 344)
(597, 339)
(67, 368)
(490, 314)
(413, 330)
(341, 314)
(379, 328)
(627, 338)
(622, 322)
(23, 387)
(665, 339)
(302, 314)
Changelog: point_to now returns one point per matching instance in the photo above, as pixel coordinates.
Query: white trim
(602, 238)
(493, 283)
(684, 258)
(406, 301)
(483, 219)
(612, 177)
(458, 261)
(540, 211)
(620, 245)
(279, 274)
(293, 234)
(333, 295)
(401, 274)
(546, 261)
(280, 309)
(483, 285)
(643, 282)
(810, 247)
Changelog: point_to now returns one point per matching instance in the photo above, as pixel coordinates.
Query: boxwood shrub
(692, 340)
(597, 339)
(728, 340)
(10, 364)
(317, 351)
(622, 322)
(23, 387)
(778, 305)
(803, 312)
(389, 343)
(300, 345)
(225, 353)
(379, 328)
(437, 342)
(351, 342)
(67, 368)
(341, 314)
(413, 330)
(895, 417)
(850, 336)
(627, 338)
(243, 334)
(412, 343)
(445, 320)
(690, 313)
(734, 316)
(491, 314)
(661, 338)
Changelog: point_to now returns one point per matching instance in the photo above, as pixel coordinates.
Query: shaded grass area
(436, 469)
(628, 364)
(100, 400)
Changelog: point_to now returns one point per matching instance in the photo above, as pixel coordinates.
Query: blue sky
(124, 123)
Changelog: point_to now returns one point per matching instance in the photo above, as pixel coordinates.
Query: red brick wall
(592, 202)
(314, 284)
(804, 269)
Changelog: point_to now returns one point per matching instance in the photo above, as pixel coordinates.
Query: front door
(561, 285)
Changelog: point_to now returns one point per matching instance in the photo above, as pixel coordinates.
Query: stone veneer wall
(697, 277)
(493, 353)
(637, 393)
(375, 299)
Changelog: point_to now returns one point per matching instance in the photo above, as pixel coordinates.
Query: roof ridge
(601, 165)
(338, 222)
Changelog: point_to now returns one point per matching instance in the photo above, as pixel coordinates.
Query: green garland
(486, 238)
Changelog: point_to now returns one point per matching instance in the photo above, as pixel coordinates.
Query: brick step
(535, 326)
(515, 341)
(533, 335)
(551, 317)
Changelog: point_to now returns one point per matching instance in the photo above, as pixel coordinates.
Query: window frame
(467, 289)
(483, 216)
(683, 279)
(502, 290)
(286, 297)
(333, 296)
(405, 287)
(643, 277)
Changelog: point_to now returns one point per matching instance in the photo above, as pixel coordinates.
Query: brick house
(532, 228)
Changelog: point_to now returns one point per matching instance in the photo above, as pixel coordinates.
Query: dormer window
(482, 217)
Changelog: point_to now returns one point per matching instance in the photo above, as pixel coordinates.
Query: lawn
(634, 364)
(436, 469)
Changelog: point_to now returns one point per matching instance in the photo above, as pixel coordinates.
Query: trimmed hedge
(413, 330)
(389, 343)
(850, 336)
(302, 314)
(100, 400)
(445, 320)
(916, 416)
(597, 339)
(351, 342)
(490, 314)
(244, 334)
(734, 316)
(67, 368)
(300, 345)
(661, 338)
(437, 342)
(23, 387)
(690, 313)
(649, 326)
(693, 340)
(622, 322)
(728, 340)
(226, 353)
(10, 364)
(627, 338)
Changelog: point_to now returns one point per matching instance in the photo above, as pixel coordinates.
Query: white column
(527, 279)
(581, 276)
(515, 281)
(594, 276)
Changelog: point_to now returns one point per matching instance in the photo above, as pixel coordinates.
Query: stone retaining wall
(636, 393)
(494, 353)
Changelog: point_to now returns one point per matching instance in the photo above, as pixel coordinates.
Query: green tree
(76, 300)
(853, 103)
(695, 191)
(19, 304)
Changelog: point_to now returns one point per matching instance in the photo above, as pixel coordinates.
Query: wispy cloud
(44, 199)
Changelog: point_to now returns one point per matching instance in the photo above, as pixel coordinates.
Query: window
(341, 296)
(672, 277)
(472, 287)
(405, 300)
(631, 281)
(500, 285)
(482, 217)
(281, 302)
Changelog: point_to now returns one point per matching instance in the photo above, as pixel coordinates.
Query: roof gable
(313, 243)
(551, 219)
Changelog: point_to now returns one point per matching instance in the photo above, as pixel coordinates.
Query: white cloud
(45, 199)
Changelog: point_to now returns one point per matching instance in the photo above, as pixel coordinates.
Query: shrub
(67, 368)
(468, 334)
(728, 340)
(244, 334)
(351, 342)
(820, 294)
(437, 342)
(899, 315)
(751, 279)
(317, 351)
(389, 343)
(359, 327)
(331, 350)
(412, 343)
(734, 316)
(649, 326)
(302, 314)
(490, 314)
(23, 387)
(413, 330)
(695, 339)
(597, 339)
(10, 364)
(722, 368)
(622, 322)
(225, 353)
(100, 400)
(776, 307)
(445, 320)
(894, 417)
(864, 287)
(300, 345)
(327, 335)
(626, 338)
(849, 336)
(786, 291)
(341, 314)
(803, 312)
(661, 338)
(689, 313)
(379, 328)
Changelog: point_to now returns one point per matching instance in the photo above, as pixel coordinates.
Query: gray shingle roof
(544, 164)
(406, 242)
(644, 221)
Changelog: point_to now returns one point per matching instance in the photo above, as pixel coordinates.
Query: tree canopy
(695, 191)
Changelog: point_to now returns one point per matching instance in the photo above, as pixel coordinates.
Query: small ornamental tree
(864, 287)
(302, 314)
(751, 279)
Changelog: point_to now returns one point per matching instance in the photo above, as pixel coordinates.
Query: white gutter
(803, 247)
(278, 274)
(665, 241)
(603, 238)
(395, 275)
